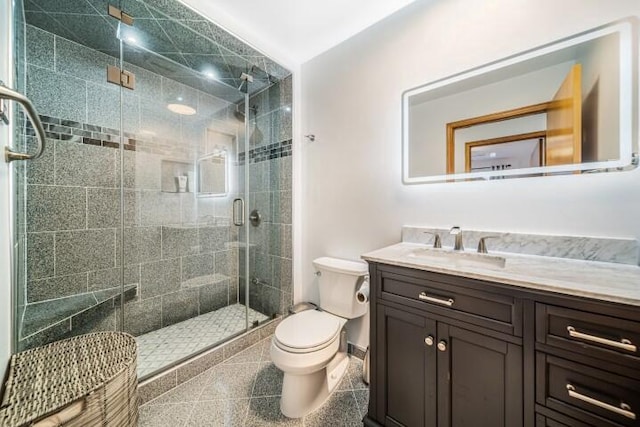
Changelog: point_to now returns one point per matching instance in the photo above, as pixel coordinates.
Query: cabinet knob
(429, 340)
(442, 346)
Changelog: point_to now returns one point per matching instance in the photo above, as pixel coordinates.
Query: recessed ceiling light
(181, 109)
(492, 154)
(210, 74)
(287, 109)
(132, 40)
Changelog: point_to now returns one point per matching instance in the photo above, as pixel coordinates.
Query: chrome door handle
(238, 220)
(9, 155)
(624, 344)
(624, 409)
(424, 297)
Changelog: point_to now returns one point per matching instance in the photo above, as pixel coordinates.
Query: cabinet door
(479, 380)
(406, 368)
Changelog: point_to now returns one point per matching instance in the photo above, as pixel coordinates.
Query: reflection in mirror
(567, 107)
(524, 151)
(212, 175)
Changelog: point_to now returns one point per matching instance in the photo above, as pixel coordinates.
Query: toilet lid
(307, 329)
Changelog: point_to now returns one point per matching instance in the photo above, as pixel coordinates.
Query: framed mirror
(212, 174)
(569, 107)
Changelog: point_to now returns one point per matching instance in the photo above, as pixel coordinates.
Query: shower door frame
(8, 295)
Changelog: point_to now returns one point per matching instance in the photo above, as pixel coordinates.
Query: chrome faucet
(457, 231)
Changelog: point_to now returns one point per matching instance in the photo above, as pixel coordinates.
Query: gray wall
(270, 193)
(177, 246)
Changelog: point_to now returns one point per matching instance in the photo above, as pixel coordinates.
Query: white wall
(352, 197)
(6, 65)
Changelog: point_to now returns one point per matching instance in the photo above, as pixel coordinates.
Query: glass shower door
(128, 221)
(68, 217)
(182, 138)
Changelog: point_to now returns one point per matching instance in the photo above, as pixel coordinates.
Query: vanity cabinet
(451, 351)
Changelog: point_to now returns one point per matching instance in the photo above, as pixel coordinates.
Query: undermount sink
(458, 259)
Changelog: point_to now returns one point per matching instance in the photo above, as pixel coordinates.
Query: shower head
(245, 78)
(239, 115)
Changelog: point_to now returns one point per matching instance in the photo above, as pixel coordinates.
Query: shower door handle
(238, 214)
(9, 155)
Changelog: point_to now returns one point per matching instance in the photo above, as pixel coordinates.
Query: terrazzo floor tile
(362, 398)
(188, 391)
(169, 415)
(265, 412)
(268, 381)
(168, 345)
(231, 381)
(252, 354)
(245, 391)
(340, 410)
(227, 412)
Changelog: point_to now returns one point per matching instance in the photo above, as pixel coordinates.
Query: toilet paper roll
(363, 293)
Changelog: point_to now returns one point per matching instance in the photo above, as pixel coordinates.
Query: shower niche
(125, 222)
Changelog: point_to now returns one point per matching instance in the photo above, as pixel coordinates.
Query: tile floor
(245, 391)
(168, 345)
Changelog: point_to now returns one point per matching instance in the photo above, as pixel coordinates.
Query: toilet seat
(308, 331)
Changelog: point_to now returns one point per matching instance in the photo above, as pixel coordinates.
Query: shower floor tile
(168, 345)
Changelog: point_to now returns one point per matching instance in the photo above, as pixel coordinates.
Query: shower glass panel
(19, 171)
(127, 221)
(180, 243)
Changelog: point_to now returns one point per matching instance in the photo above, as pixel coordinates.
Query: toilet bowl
(308, 346)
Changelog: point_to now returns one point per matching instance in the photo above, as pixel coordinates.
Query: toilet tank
(338, 282)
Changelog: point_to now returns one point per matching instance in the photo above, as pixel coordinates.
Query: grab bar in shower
(10, 94)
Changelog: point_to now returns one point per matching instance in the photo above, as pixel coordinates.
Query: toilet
(308, 346)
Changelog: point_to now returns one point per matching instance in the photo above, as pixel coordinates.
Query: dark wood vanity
(452, 351)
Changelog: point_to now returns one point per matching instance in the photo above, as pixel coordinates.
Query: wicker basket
(83, 381)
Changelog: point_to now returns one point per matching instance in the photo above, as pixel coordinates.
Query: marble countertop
(604, 281)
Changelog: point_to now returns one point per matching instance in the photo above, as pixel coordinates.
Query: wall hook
(311, 137)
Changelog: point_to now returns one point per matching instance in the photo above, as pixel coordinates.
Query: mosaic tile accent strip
(72, 131)
(268, 152)
(166, 346)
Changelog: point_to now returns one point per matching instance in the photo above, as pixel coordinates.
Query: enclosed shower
(161, 203)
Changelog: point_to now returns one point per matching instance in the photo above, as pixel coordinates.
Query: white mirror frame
(628, 91)
(200, 159)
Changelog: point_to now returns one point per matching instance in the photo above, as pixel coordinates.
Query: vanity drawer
(493, 310)
(596, 335)
(589, 394)
(557, 420)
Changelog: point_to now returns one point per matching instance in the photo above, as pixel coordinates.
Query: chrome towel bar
(10, 94)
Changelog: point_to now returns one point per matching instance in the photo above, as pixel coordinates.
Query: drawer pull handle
(623, 344)
(424, 297)
(624, 410)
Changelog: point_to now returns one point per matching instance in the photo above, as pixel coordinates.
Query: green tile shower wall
(170, 239)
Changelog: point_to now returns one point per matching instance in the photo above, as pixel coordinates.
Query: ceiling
(294, 31)
(166, 38)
